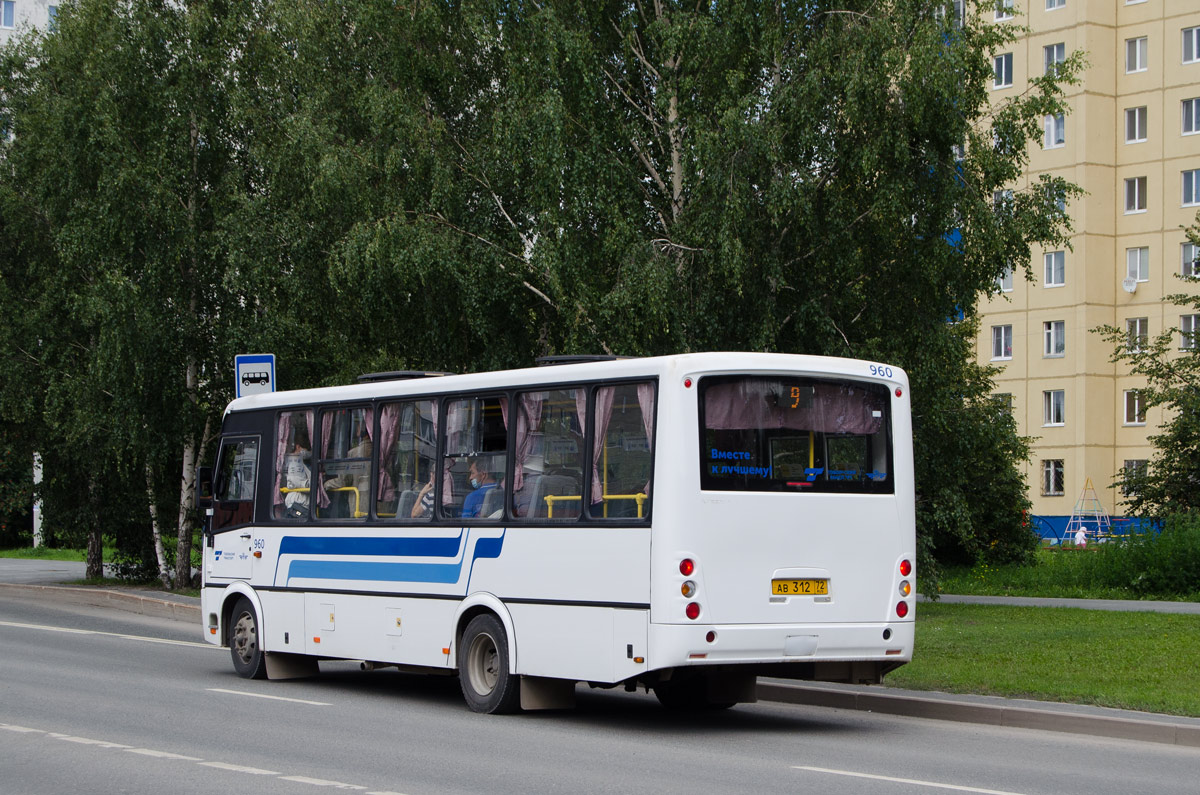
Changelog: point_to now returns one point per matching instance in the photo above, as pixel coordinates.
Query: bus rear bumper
(673, 645)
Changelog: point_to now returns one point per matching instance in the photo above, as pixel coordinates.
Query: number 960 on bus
(881, 370)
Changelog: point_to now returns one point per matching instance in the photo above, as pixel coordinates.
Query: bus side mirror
(204, 487)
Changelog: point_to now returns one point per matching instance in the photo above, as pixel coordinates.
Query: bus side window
(621, 463)
(549, 455)
(344, 471)
(293, 466)
(474, 462)
(405, 486)
(235, 483)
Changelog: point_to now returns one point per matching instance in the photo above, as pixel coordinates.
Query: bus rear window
(794, 434)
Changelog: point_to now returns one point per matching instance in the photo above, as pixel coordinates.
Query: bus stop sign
(255, 373)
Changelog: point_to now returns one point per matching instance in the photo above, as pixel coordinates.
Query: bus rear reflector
(692, 610)
(902, 609)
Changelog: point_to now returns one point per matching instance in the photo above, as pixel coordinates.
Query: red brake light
(692, 610)
(686, 566)
(901, 609)
(899, 392)
(905, 568)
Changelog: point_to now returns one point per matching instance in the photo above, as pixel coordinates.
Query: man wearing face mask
(483, 482)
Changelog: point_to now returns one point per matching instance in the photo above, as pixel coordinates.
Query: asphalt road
(98, 701)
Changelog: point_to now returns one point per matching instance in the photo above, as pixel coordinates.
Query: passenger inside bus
(297, 475)
(483, 482)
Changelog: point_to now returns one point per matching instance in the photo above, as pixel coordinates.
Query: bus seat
(493, 501)
(408, 498)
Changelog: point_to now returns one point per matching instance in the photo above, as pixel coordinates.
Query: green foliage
(1152, 565)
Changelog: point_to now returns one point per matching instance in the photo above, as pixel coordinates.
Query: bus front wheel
(248, 658)
(483, 671)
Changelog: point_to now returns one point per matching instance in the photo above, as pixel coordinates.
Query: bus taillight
(692, 610)
(687, 589)
(902, 609)
(905, 568)
(686, 567)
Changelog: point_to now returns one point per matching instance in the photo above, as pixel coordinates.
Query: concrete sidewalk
(30, 577)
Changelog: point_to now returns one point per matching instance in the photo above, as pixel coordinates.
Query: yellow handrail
(639, 497)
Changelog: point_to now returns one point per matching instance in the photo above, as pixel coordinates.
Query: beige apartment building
(1132, 141)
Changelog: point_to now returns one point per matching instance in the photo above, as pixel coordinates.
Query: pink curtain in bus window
(767, 404)
(529, 418)
(604, 404)
(645, 393)
(281, 427)
(327, 442)
(389, 429)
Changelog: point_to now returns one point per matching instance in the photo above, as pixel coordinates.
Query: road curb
(1001, 714)
(119, 600)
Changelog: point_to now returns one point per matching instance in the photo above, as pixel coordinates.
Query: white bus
(684, 523)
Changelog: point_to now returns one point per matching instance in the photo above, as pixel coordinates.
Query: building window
(1135, 469)
(1054, 338)
(1004, 9)
(1135, 195)
(1190, 112)
(1052, 478)
(1136, 54)
(1188, 268)
(52, 18)
(1052, 56)
(1004, 282)
(1056, 268)
(7, 8)
(1187, 332)
(1137, 331)
(1054, 407)
(1135, 125)
(1056, 131)
(1053, 4)
(1003, 77)
(1004, 400)
(1135, 412)
(1191, 187)
(1137, 263)
(1002, 342)
(1002, 201)
(1191, 45)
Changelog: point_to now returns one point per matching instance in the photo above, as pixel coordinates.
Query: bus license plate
(799, 587)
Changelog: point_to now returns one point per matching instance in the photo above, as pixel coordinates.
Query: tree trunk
(95, 541)
(160, 553)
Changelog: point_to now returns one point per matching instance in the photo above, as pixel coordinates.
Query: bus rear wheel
(483, 671)
(248, 658)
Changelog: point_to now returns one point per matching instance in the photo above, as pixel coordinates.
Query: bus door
(229, 556)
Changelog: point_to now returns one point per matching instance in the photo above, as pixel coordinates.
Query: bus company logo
(217, 554)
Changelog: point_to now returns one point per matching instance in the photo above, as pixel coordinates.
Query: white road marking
(24, 729)
(85, 741)
(73, 631)
(163, 754)
(317, 782)
(254, 771)
(167, 755)
(272, 698)
(895, 780)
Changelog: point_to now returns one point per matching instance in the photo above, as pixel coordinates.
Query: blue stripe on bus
(349, 545)
(379, 571)
(373, 570)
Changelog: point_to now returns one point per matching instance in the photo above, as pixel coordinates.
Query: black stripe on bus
(455, 597)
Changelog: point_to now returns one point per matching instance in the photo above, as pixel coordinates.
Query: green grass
(1141, 661)
(1066, 573)
(45, 553)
